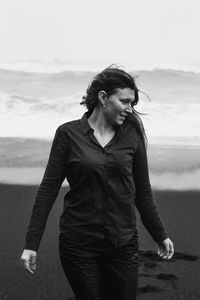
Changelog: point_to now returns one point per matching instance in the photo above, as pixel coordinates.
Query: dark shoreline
(177, 279)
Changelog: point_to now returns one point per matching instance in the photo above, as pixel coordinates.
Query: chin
(119, 122)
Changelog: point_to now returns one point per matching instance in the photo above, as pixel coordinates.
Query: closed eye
(127, 101)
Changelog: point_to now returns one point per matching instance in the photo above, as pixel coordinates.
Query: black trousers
(111, 275)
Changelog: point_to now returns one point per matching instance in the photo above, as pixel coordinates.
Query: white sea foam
(172, 120)
(34, 105)
(40, 119)
(24, 119)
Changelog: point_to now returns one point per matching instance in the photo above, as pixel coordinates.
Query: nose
(129, 108)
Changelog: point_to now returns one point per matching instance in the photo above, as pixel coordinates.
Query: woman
(103, 157)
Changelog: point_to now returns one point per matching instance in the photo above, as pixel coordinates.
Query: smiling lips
(123, 116)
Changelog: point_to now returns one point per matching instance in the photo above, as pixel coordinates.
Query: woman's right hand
(29, 260)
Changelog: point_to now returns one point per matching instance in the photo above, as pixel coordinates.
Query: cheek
(114, 111)
(114, 107)
(117, 107)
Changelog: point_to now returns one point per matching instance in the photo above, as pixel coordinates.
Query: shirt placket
(106, 197)
(105, 151)
(105, 175)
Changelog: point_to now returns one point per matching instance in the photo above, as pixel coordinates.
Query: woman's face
(119, 105)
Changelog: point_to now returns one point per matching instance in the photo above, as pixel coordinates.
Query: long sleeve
(144, 198)
(53, 178)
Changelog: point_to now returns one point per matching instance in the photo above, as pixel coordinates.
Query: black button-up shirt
(106, 183)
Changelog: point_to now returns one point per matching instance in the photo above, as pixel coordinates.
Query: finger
(27, 266)
(33, 264)
(167, 247)
(161, 254)
(33, 268)
(171, 251)
(160, 250)
(166, 250)
(170, 256)
(164, 256)
(33, 259)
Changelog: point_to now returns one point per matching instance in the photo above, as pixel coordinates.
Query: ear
(102, 96)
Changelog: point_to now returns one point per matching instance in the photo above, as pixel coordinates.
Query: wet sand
(158, 280)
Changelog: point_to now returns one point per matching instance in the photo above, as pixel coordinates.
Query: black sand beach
(176, 279)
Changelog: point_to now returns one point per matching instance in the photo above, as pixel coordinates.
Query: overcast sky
(140, 33)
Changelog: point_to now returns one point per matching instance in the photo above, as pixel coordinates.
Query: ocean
(33, 104)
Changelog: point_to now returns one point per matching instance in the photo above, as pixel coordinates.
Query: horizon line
(59, 66)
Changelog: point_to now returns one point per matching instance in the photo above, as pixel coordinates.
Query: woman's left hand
(166, 249)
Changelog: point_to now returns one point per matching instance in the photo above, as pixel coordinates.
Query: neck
(97, 121)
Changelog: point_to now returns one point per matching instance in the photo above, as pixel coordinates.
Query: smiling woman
(116, 92)
(103, 157)
(118, 105)
(115, 109)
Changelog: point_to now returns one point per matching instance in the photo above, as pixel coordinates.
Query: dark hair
(109, 80)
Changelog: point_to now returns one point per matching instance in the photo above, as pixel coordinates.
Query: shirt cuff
(160, 236)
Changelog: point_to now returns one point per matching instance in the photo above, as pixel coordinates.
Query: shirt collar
(86, 126)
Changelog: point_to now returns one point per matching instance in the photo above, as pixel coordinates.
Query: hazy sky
(143, 32)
